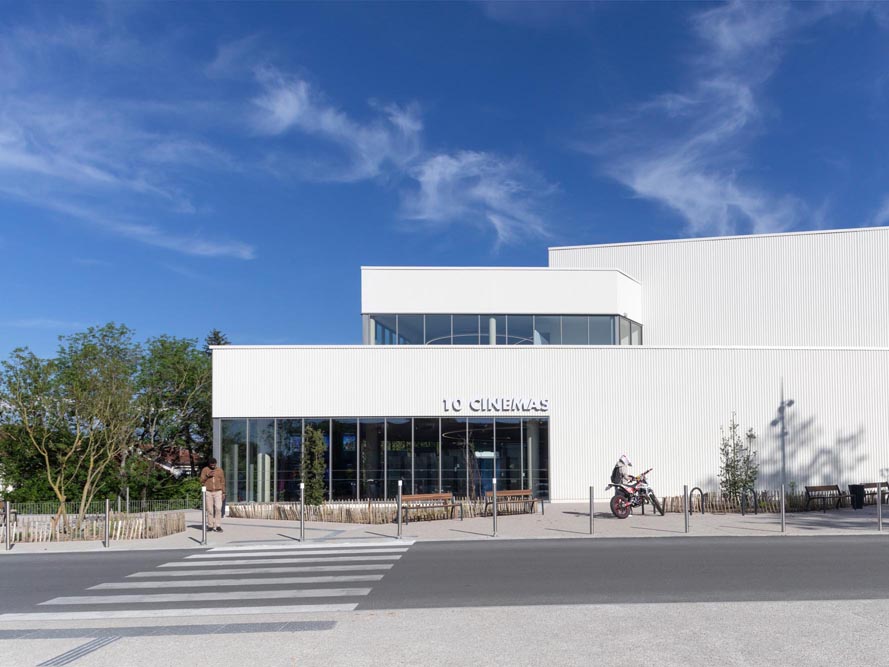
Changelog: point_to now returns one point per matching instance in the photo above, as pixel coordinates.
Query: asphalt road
(535, 572)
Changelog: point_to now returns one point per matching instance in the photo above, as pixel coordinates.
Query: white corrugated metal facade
(809, 309)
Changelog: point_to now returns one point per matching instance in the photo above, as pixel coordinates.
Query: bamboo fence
(44, 528)
(766, 502)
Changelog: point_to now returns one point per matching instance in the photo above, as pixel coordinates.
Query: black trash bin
(856, 494)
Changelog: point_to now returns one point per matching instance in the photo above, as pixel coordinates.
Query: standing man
(213, 479)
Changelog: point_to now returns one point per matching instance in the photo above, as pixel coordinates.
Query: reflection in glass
(384, 329)
(426, 456)
(547, 330)
(519, 330)
(290, 438)
(635, 334)
(601, 330)
(465, 330)
(344, 459)
(398, 455)
(322, 425)
(260, 463)
(371, 443)
(234, 458)
(510, 453)
(536, 434)
(438, 330)
(575, 330)
(410, 329)
(624, 325)
(481, 456)
(453, 457)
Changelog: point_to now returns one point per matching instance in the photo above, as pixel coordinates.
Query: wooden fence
(766, 502)
(347, 511)
(44, 528)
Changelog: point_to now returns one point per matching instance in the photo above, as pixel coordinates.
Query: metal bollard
(879, 506)
(783, 523)
(107, 522)
(592, 510)
(398, 510)
(494, 482)
(203, 515)
(685, 505)
(302, 511)
(8, 522)
(128, 500)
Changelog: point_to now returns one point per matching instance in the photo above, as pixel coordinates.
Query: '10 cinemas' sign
(497, 404)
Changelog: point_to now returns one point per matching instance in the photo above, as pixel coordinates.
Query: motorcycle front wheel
(620, 507)
(658, 507)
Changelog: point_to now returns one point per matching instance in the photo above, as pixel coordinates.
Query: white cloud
(881, 217)
(475, 186)
(687, 149)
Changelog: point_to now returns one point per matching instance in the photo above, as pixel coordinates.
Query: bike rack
(691, 504)
(744, 501)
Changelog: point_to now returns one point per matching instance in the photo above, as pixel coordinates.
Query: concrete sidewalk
(561, 520)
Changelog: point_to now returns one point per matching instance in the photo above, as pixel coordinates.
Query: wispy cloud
(881, 217)
(440, 188)
(549, 14)
(687, 149)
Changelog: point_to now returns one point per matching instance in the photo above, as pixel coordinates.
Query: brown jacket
(213, 480)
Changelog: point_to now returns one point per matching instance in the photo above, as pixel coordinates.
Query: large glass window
(536, 434)
(344, 459)
(624, 331)
(635, 333)
(234, 458)
(601, 330)
(493, 329)
(519, 329)
(465, 330)
(481, 456)
(410, 329)
(547, 330)
(453, 457)
(510, 453)
(260, 462)
(575, 330)
(399, 442)
(438, 330)
(384, 329)
(323, 427)
(426, 468)
(371, 448)
(289, 473)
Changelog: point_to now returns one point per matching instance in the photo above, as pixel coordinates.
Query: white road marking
(281, 561)
(264, 570)
(253, 581)
(317, 552)
(314, 545)
(204, 597)
(178, 612)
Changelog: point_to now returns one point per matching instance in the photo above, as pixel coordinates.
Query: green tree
(313, 466)
(738, 468)
(215, 337)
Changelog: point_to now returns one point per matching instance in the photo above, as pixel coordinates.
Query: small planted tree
(313, 466)
(738, 466)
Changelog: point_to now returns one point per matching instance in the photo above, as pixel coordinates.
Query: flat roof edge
(540, 348)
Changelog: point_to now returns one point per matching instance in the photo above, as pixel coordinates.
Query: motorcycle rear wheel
(658, 506)
(620, 507)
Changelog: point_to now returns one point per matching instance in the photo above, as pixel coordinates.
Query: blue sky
(180, 167)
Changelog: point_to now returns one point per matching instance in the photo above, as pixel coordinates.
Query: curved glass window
(465, 330)
(438, 330)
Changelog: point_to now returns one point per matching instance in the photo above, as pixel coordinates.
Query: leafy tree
(313, 466)
(738, 465)
(215, 337)
(76, 412)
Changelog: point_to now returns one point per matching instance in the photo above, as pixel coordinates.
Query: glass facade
(365, 458)
(501, 330)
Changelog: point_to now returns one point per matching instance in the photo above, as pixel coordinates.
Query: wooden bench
(870, 490)
(512, 499)
(823, 494)
(424, 501)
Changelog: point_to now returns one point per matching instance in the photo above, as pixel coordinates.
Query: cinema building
(543, 376)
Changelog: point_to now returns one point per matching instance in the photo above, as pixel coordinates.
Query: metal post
(494, 482)
(203, 515)
(591, 510)
(128, 500)
(8, 521)
(783, 524)
(398, 510)
(879, 505)
(302, 511)
(685, 505)
(107, 522)
(118, 503)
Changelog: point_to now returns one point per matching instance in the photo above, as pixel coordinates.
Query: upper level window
(501, 330)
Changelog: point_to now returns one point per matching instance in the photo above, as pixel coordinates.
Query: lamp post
(780, 422)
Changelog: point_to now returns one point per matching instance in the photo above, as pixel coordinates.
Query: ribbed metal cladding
(809, 289)
(663, 406)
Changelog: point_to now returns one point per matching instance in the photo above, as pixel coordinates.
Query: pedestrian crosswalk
(236, 580)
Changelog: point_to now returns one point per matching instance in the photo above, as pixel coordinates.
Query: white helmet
(625, 460)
